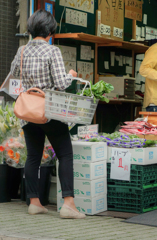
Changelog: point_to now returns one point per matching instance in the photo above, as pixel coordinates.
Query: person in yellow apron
(148, 69)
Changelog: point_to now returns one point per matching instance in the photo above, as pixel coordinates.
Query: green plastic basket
(141, 177)
(134, 200)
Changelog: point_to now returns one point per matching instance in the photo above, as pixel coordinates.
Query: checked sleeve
(61, 79)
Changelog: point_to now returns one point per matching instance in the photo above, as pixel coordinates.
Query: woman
(43, 67)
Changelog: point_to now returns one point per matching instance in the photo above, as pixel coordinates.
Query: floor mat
(124, 215)
(149, 219)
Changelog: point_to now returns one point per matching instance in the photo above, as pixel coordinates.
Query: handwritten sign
(87, 131)
(85, 70)
(14, 87)
(105, 29)
(120, 164)
(76, 17)
(133, 9)
(85, 5)
(118, 32)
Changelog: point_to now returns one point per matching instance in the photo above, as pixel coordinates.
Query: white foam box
(139, 156)
(84, 188)
(89, 171)
(89, 151)
(89, 206)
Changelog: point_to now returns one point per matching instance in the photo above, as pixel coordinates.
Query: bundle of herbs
(98, 91)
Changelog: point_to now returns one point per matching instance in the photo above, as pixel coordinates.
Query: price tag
(118, 32)
(104, 29)
(87, 131)
(120, 164)
(14, 87)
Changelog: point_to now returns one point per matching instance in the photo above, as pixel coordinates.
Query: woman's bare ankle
(69, 201)
(36, 202)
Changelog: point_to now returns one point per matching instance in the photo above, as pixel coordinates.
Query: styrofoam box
(89, 206)
(139, 156)
(84, 188)
(89, 151)
(89, 171)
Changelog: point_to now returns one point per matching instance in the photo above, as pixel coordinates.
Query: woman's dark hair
(41, 24)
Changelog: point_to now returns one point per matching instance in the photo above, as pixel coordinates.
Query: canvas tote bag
(30, 105)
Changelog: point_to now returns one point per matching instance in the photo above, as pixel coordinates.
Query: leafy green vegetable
(98, 90)
(149, 143)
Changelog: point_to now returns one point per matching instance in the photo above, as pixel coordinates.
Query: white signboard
(14, 87)
(5, 86)
(120, 164)
(87, 131)
(85, 70)
(69, 57)
(117, 32)
(83, 5)
(86, 52)
(76, 17)
(105, 29)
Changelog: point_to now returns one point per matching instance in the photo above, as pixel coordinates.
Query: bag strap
(21, 67)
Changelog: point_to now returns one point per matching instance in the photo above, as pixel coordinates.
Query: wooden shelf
(104, 41)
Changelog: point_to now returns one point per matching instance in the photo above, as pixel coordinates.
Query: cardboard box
(148, 136)
(89, 151)
(84, 188)
(89, 171)
(139, 156)
(112, 15)
(89, 206)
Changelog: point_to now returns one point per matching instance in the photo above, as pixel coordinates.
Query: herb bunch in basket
(98, 91)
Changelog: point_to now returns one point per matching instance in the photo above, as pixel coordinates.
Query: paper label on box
(100, 204)
(87, 175)
(99, 170)
(151, 155)
(99, 152)
(99, 187)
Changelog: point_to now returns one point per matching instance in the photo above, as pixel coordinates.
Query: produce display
(139, 127)
(118, 139)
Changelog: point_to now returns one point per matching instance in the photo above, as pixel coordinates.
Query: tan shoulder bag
(30, 105)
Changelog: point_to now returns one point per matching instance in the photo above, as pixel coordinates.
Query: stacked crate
(137, 195)
(90, 178)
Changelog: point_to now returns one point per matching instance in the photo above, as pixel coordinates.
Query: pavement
(17, 224)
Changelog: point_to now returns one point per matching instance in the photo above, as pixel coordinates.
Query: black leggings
(59, 137)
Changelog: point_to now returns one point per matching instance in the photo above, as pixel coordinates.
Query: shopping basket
(70, 108)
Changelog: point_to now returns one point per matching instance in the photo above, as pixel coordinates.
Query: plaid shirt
(42, 67)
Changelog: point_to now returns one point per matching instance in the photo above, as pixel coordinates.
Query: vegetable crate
(125, 199)
(67, 107)
(141, 177)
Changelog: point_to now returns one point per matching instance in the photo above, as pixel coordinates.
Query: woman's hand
(73, 73)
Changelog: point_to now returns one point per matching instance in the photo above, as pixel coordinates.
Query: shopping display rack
(70, 108)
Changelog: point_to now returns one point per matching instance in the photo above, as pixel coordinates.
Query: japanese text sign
(87, 131)
(120, 164)
(133, 9)
(14, 87)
